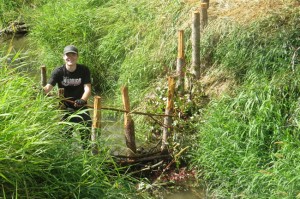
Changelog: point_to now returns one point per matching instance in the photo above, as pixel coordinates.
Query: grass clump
(37, 160)
(248, 144)
(13, 10)
(122, 42)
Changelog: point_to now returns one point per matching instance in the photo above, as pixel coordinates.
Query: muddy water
(191, 194)
(17, 42)
(112, 132)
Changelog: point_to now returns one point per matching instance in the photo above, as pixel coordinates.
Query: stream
(112, 131)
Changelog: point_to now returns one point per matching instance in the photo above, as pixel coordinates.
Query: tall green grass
(248, 142)
(8, 11)
(123, 42)
(36, 158)
(13, 10)
(248, 146)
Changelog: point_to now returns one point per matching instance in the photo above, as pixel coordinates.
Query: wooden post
(96, 124)
(180, 62)
(206, 1)
(169, 111)
(180, 44)
(61, 93)
(204, 15)
(128, 122)
(196, 45)
(43, 76)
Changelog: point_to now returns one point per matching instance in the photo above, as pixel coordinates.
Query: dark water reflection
(16, 43)
(17, 55)
(191, 194)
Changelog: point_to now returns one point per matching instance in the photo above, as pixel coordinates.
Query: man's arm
(87, 92)
(48, 88)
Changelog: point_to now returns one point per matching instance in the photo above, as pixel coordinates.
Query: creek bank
(15, 28)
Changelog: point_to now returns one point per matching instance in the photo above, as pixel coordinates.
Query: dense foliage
(248, 146)
(36, 158)
(247, 143)
(123, 42)
(12, 10)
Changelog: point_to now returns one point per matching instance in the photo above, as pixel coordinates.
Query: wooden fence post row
(198, 22)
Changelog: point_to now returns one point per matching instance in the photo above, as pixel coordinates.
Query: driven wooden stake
(180, 62)
(206, 1)
(96, 124)
(43, 76)
(169, 111)
(128, 122)
(204, 15)
(180, 44)
(196, 45)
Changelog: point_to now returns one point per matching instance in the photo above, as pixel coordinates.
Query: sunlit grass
(37, 160)
(122, 42)
(248, 144)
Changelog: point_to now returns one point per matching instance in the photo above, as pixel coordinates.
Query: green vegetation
(37, 160)
(13, 10)
(123, 42)
(244, 143)
(248, 146)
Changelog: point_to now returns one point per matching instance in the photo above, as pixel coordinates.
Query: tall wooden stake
(169, 111)
(43, 76)
(180, 62)
(204, 15)
(128, 122)
(96, 124)
(196, 45)
(206, 1)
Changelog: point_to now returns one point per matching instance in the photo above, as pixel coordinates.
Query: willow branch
(121, 110)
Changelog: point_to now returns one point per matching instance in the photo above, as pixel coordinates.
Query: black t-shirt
(72, 82)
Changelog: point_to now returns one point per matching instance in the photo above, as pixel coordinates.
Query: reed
(247, 142)
(248, 145)
(122, 42)
(37, 159)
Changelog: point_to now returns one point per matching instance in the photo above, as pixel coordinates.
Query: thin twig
(121, 110)
(172, 162)
(136, 156)
(145, 159)
(147, 168)
(160, 123)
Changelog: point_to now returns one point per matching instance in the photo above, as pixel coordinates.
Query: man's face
(70, 59)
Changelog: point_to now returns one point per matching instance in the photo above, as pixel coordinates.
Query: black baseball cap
(70, 49)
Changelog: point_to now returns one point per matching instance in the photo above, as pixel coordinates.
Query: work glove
(79, 103)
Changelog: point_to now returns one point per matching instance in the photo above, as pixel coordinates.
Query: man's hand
(47, 88)
(80, 103)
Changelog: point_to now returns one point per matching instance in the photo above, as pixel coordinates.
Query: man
(75, 79)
